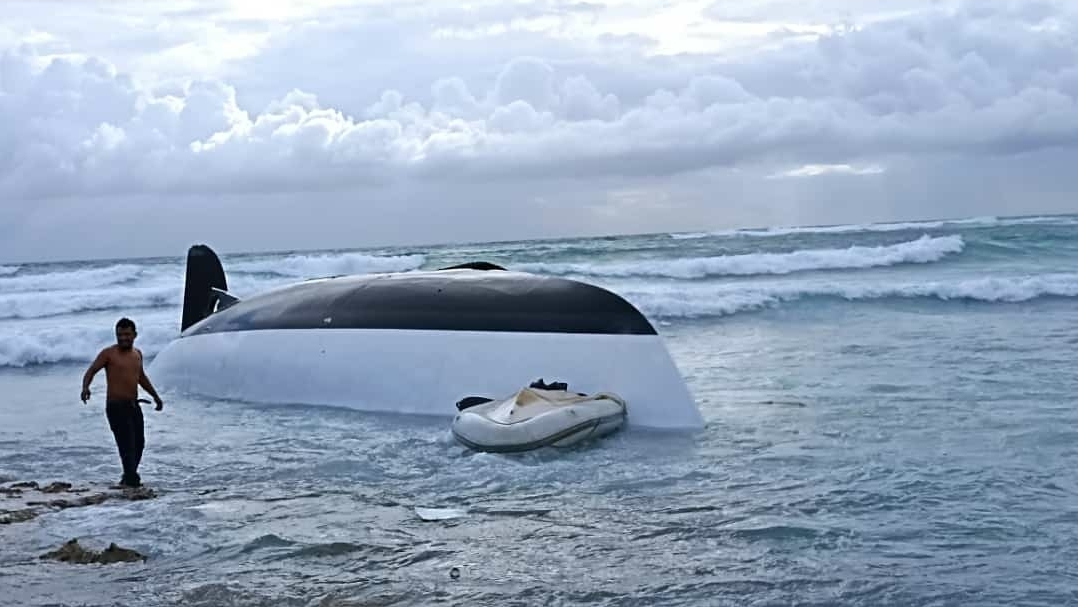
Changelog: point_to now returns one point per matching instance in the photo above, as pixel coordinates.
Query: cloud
(373, 103)
(816, 170)
(814, 11)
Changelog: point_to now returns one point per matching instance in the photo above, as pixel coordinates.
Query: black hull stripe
(458, 300)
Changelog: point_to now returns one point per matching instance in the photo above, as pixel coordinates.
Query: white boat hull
(533, 419)
(424, 372)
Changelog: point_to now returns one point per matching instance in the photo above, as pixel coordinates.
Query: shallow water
(888, 451)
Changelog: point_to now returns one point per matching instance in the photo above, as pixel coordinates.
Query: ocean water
(891, 420)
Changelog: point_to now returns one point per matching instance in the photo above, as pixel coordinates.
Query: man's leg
(138, 442)
(119, 414)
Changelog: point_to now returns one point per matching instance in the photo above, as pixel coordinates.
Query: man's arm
(144, 381)
(98, 363)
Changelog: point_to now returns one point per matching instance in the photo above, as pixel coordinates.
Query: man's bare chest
(124, 366)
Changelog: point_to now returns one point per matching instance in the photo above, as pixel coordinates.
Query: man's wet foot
(128, 484)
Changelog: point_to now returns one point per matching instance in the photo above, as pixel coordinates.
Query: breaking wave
(8, 270)
(312, 266)
(989, 221)
(91, 278)
(923, 250)
(164, 292)
(717, 300)
(52, 303)
(129, 286)
(76, 343)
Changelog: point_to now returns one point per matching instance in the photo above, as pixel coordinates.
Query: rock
(72, 552)
(139, 493)
(57, 487)
(16, 489)
(16, 516)
(116, 554)
(23, 501)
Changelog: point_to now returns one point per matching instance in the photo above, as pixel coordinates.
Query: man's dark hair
(125, 323)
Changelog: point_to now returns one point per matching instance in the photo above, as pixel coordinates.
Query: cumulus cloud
(548, 105)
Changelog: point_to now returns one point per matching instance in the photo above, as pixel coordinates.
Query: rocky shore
(27, 500)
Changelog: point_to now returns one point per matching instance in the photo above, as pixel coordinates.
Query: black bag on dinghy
(539, 384)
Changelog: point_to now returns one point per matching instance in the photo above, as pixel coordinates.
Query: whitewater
(890, 413)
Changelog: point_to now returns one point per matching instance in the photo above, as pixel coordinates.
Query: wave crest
(30, 346)
(90, 278)
(923, 250)
(52, 303)
(313, 266)
(671, 303)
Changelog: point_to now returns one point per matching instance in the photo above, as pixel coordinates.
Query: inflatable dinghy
(535, 417)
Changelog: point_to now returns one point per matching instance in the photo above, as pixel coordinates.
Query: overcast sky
(133, 128)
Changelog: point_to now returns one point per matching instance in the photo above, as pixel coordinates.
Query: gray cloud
(370, 105)
(814, 11)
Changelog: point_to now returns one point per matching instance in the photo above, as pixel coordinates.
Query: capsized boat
(537, 416)
(416, 342)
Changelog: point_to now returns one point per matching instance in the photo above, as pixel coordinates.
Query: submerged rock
(73, 552)
(16, 516)
(25, 500)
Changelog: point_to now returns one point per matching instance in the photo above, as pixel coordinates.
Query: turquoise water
(890, 412)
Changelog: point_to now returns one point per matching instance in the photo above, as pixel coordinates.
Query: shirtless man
(123, 374)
